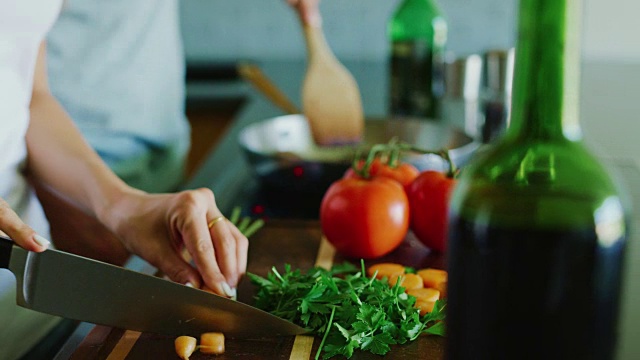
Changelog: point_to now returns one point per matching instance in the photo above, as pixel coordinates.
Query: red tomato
(365, 218)
(429, 205)
(404, 173)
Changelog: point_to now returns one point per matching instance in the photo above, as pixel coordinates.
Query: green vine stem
(363, 171)
(392, 152)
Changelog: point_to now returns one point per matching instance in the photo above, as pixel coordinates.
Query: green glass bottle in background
(418, 34)
(537, 227)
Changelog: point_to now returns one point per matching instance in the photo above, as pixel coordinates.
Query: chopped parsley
(349, 310)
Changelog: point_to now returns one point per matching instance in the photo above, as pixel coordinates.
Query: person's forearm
(59, 157)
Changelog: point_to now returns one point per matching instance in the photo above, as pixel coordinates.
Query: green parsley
(349, 310)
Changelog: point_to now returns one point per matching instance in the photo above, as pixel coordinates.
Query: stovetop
(259, 199)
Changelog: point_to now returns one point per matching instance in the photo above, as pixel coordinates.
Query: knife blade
(79, 288)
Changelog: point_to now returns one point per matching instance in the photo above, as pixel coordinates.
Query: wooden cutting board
(280, 242)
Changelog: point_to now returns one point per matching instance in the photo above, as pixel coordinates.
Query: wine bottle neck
(545, 101)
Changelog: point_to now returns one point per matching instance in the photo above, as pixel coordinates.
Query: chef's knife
(74, 287)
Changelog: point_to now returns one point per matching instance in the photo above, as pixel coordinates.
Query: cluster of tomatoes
(368, 212)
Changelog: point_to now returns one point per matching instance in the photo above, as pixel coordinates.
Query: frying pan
(283, 155)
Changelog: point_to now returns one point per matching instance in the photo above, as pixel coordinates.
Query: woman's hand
(308, 11)
(157, 227)
(21, 233)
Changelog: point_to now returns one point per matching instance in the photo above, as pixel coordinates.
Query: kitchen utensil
(497, 79)
(262, 83)
(79, 288)
(330, 95)
(461, 101)
(282, 153)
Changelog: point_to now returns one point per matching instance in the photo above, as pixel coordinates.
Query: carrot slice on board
(424, 306)
(425, 294)
(212, 343)
(442, 287)
(432, 277)
(185, 346)
(408, 281)
(388, 270)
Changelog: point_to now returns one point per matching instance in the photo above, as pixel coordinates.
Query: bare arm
(59, 156)
(154, 227)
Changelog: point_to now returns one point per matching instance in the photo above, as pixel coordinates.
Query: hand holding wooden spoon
(330, 95)
(308, 11)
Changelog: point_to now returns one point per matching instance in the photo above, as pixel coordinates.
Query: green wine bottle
(418, 34)
(537, 228)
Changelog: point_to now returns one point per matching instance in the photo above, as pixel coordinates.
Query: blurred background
(219, 34)
(356, 29)
(228, 31)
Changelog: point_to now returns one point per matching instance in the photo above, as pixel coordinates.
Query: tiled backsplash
(355, 29)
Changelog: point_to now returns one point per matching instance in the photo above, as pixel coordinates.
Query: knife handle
(6, 245)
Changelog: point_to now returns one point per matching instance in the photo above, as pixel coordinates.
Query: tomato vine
(390, 154)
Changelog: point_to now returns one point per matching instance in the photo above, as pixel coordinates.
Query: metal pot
(283, 155)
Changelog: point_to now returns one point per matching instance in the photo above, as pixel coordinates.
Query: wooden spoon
(330, 95)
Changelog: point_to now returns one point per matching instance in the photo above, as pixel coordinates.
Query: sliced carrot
(388, 270)
(442, 287)
(408, 281)
(432, 277)
(212, 343)
(424, 306)
(185, 346)
(425, 294)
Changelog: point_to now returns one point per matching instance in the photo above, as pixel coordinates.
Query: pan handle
(6, 246)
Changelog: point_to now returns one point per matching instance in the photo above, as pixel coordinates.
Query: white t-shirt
(117, 67)
(23, 25)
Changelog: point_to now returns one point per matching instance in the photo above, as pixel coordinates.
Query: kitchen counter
(305, 248)
(227, 174)
(607, 93)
